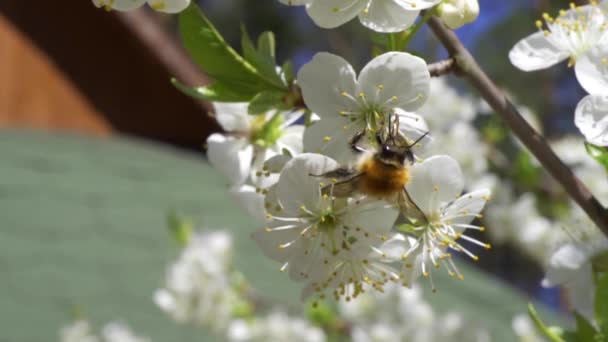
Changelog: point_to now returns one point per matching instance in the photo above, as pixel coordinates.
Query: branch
(468, 68)
(442, 67)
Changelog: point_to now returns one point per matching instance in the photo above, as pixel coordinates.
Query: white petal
(469, 204)
(377, 217)
(232, 116)
(591, 118)
(251, 201)
(592, 71)
(297, 186)
(436, 180)
(120, 5)
(276, 163)
(404, 78)
(413, 127)
(582, 293)
(417, 5)
(565, 265)
(296, 2)
(388, 16)
(331, 138)
(169, 6)
(323, 80)
(292, 140)
(536, 52)
(333, 13)
(271, 241)
(231, 156)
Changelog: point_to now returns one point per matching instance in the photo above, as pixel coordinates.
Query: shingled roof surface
(83, 228)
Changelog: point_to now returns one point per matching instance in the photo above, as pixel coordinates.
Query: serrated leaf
(215, 92)
(265, 101)
(211, 52)
(584, 330)
(598, 153)
(601, 303)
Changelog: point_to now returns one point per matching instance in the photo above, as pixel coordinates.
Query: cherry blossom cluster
(81, 331)
(580, 36)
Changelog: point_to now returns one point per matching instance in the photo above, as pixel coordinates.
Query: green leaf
(211, 52)
(262, 58)
(598, 153)
(552, 333)
(215, 92)
(601, 303)
(181, 228)
(267, 45)
(288, 72)
(584, 330)
(265, 101)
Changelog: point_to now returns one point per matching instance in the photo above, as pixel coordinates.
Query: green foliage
(598, 153)
(181, 228)
(525, 171)
(584, 330)
(554, 334)
(601, 303)
(254, 75)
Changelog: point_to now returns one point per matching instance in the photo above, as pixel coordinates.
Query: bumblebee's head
(393, 155)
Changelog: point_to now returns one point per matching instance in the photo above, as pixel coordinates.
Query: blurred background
(96, 147)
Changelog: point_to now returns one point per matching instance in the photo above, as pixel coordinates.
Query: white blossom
(276, 326)
(378, 15)
(198, 288)
(394, 83)
(569, 36)
(571, 265)
(436, 193)
(120, 332)
(456, 13)
(250, 140)
(525, 330)
(325, 241)
(78, 331)
(167, 6)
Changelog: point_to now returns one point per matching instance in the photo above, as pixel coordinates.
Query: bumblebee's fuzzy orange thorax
(380, 179)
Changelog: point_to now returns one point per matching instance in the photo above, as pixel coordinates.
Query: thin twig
(468, 67)
(442, 67)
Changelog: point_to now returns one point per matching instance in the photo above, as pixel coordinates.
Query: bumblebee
(382, 173)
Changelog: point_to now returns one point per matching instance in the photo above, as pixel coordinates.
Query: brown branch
(442, 67)
(468, 68)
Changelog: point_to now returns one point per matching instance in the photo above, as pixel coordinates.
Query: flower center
(266, 133)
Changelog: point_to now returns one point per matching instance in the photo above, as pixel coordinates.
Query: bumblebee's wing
(339, 173)
(343, 187)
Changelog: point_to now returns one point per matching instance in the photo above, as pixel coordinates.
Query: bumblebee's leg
(355, 140)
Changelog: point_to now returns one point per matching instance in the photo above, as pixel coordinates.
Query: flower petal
(331, 137)
(397, 79)
(297, 186)
(417, 5)
(536, 52)
(333, 13)
(273, 236)
(373, 216)
(292, 140)
(232, 116)
(464, 209)
(592, 71)
(323, 80)
(251, 201)
(231, 156)
(413, 127)
(435, 181)
(169, 6)
(388, 16)
(591, 118)
(565, 265)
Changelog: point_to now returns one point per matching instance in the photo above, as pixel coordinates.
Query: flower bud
(456, 13)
